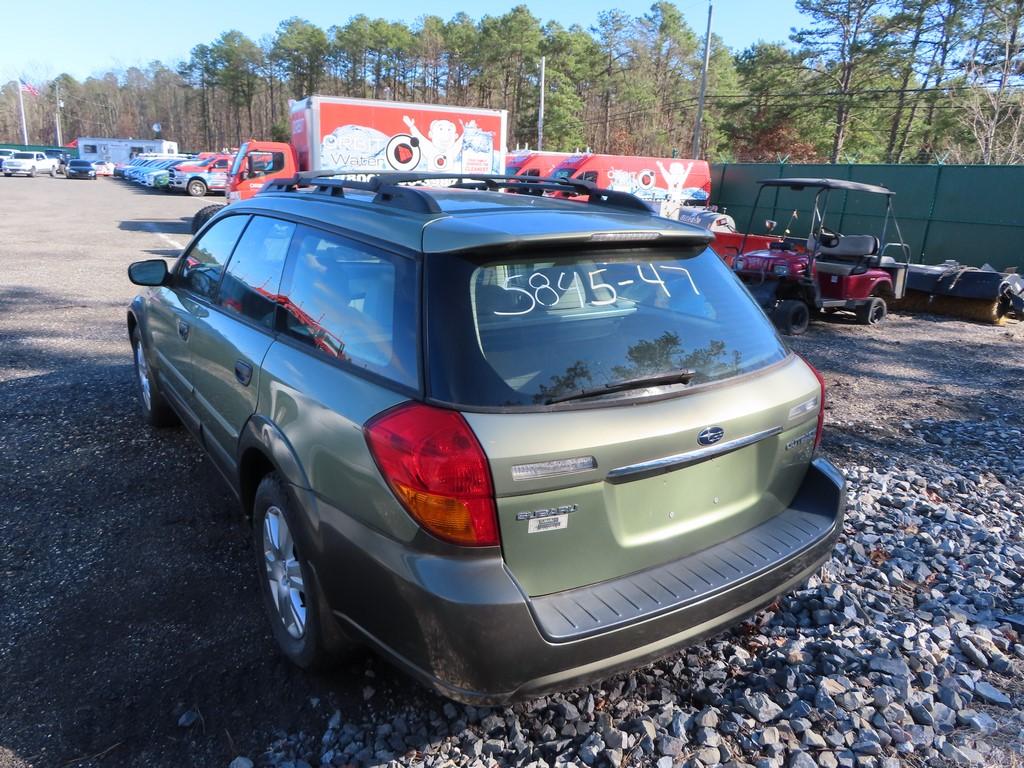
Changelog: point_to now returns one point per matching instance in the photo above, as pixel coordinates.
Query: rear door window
(353, 303)
(203, 264)
(253, 275)
(533, 330)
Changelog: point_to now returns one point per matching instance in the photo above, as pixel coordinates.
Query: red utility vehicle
(828, 271)
(666, 184)
(365, 137)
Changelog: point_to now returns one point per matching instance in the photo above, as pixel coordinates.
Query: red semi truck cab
(368, 136)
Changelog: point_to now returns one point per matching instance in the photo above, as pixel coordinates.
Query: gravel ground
(133, 633)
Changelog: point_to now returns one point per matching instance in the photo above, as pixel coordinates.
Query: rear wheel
(53, 173)
(31, 172)
(872, 311)
(299, 616)
(792, 317)
(197, 188)
(203, 215)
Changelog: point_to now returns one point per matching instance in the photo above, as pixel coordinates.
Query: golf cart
(793, 278)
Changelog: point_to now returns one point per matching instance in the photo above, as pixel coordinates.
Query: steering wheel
(828, 238)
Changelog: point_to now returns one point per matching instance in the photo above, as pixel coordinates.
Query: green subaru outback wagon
(513, 442)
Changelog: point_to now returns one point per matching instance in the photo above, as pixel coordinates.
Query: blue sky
(99, 35)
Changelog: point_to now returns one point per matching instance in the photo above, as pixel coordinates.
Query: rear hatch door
(596, 479)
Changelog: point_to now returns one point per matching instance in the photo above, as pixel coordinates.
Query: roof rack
(398, 189)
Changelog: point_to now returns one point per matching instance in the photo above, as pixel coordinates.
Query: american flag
(28, 88)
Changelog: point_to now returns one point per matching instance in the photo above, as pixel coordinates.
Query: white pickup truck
(30, 163)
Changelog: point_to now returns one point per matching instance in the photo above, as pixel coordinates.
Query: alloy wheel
(284, 574)
(142, 370)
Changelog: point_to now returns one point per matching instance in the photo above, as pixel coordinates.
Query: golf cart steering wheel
(828, 238)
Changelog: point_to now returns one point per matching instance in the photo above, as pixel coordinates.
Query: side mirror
(148, 272)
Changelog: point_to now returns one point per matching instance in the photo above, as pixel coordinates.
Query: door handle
(183, 330)
(243, 372)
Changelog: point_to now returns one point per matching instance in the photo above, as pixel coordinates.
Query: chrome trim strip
(680, 460)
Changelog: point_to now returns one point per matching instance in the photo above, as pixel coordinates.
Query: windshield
(80, 164)
(529, 331)
(563, 172)
(204, 162)
(24, 156)
(237, 165)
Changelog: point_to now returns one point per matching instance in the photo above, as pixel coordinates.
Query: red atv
(828, 271)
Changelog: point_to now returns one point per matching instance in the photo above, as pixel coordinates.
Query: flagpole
(21, 104)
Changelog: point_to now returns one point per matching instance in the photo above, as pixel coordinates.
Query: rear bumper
(463, 626)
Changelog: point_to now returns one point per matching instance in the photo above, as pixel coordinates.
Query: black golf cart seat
(851, 254)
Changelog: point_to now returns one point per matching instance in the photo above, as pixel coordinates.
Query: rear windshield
(536, 330)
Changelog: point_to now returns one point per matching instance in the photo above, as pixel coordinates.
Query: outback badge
(710, 435)
(551, 519)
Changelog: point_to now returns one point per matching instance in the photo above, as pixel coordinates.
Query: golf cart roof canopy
(852, 186)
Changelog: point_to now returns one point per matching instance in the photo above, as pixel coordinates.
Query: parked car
(202, 176)
(159, 175)
(4, 154)
(81, 169)
(104, 168)
(513, 442)
(29, 164)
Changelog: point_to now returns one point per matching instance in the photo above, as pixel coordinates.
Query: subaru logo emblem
(710, 435)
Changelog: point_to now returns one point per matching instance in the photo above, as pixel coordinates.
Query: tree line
(860, 81)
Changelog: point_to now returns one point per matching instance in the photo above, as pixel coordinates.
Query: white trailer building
(122, 150)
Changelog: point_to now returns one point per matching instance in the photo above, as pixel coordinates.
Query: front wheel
(197, 188)
(872, 311)
(31, 173)
(300, 619)
(792, 317)
(156, 411)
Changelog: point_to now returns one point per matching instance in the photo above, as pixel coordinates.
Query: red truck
(533, 163)
(364, 136)
(207, 173)
(665, 183)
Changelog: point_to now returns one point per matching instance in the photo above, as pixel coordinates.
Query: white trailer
(100, 150)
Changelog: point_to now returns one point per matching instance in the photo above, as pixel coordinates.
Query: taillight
(821, 403)
(436, 468)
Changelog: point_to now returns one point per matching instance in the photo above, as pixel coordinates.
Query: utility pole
(703, 88)
(56, 117)
(21, 105)
(540, 111)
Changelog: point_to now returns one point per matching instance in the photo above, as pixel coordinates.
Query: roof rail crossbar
(394, 188)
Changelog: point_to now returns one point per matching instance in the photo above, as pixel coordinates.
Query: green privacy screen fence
(971, 213)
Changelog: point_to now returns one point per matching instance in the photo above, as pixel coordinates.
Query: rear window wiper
(675, 377)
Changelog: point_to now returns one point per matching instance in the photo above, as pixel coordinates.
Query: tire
(299, 617)
(197, 188)
(872, 312)
(203, 215)
(156, 411)
(32, 173)
(53, 173)
(792, 317)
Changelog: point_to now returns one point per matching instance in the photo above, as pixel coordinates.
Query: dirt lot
(126, 589)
